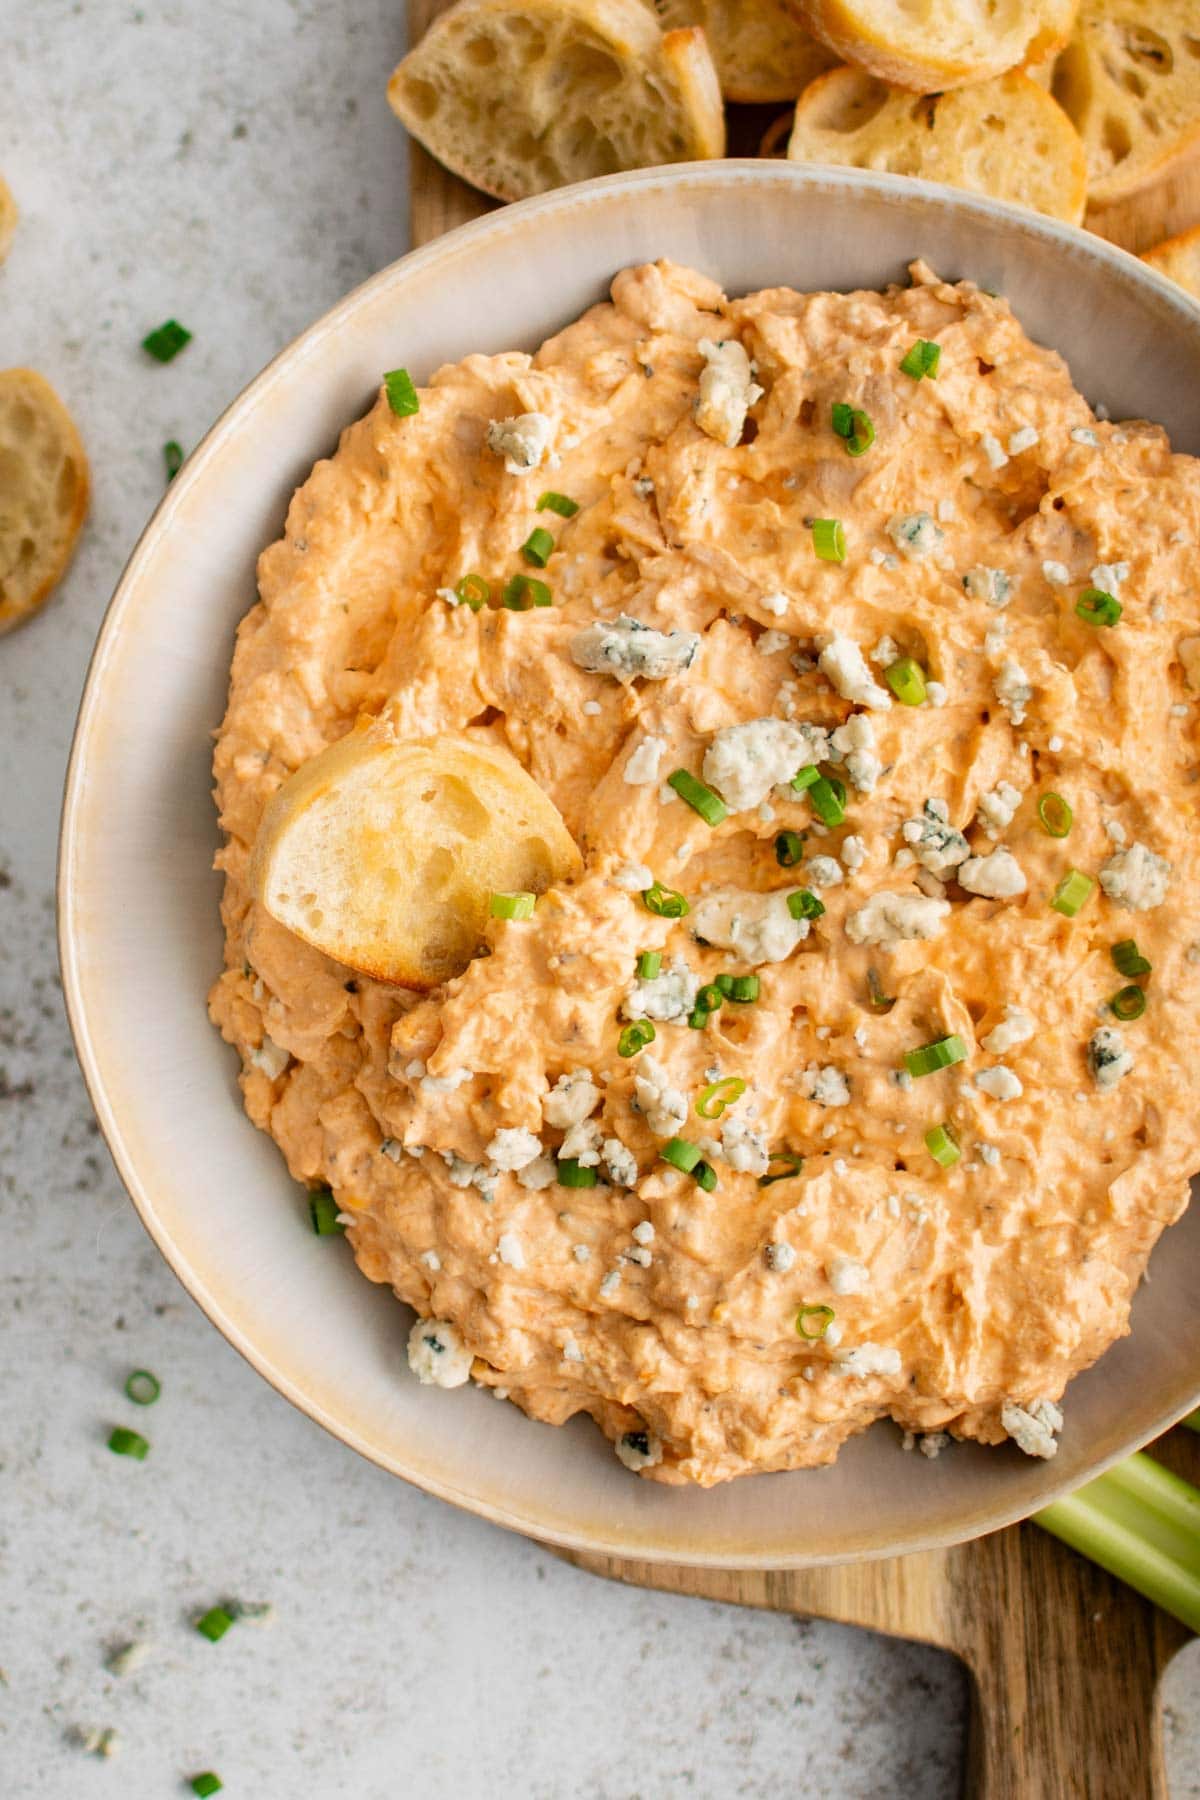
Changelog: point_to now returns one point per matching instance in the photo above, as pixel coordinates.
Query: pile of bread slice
(1056, 104)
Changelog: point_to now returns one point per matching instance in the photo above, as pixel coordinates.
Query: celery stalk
(1141, 1523)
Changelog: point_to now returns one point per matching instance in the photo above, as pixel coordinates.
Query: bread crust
(759, 48)
(920, 59)
(44, 496)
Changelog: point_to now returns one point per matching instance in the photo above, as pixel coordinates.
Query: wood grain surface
(1064, 1661)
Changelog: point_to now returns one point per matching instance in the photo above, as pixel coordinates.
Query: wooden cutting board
(1064, 1661)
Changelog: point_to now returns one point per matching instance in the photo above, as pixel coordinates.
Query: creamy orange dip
(740, 1322)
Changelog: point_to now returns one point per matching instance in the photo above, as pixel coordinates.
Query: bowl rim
(449, 247)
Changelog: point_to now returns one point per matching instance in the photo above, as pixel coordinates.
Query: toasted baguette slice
(1005, 137)
(1130, 80)
(759, 48)
(8, 217)
(385, 855)
(938, 44)
(518, 96)
(1179, 257)
(43, 492)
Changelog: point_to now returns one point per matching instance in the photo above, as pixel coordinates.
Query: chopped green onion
(142, 1387)
(123, 1442)
(1129, 959)
(942, 1145)
(1128, 1003)
(705, 1176)
(538, 547)
(1095, 607)
(789, 849)
(635, 1037)
(681, 1154)
(922, 359)
(701, 799)
(173, 458)
(558, 503)
(401, 394)
(524, 591)
(165, 344)
(473, 591)
(698, 1018)
(881, 1001)
(664, 902)
(724, 985)
(513, 906)
(323, 1211)
(853, 427)
(939, 1055)
(804, 905)
(805, 777)
(649, 964)
(214, 1623)
(744, 988)
(1141, 1522)
(826, 801)
(791, 1165)
(206, 1784)
(1055, 815)
(906, 679)
(571, 1174)
(821, 1317)
(829, 540)
(710, 997)
(1071, 893)
(718, 1095)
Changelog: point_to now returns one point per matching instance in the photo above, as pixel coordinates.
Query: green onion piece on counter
(881, 1001)
(705, 1176)
(664, 902)
(214, 1623)
(681, 1154)
(538, 547)
(718, 1095)
(401, 394)
(1055, 815)
(710, 997)
(782, 1166)
(1141, 1523)
(698, 1018)
(829, 540)
(142, 1387)
(525, 591)
(812, 1322)
(906, 679)
(557, 503)
(649, 964)
(826, 801)
(172, 458)
(1128, 1003)
(635, 1037)
(805, 777)
(165, 344)
(744, 988)
(938, 1055)
(206, 1784)
(571, 1174)
(1071, 893)
(804, 905)
(323, 1210)
(789, 849)
(123, 1442)
(513, 906)
(1129, 959)
(701, 799)
(921, 360)
(1095, 607)
(853, 427)
(942, 1145)
(473, 591)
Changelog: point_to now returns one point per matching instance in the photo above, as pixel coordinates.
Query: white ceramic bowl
(138, 902)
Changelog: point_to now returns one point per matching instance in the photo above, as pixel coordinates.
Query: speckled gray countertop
(236, 166)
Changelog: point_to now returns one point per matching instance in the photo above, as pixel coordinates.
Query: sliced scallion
(323, 1212)
(1129, 959)
(942, 1145)
(828, 800)
(705, 1176)
(853, 427)
(906, 679)
(681, 1153)
(1128, 1003)
(142, 1387)
(664, 902)
(789, 849)
(214, 1623)
(473, 591)
(829, 540)
(812, 1322)
(165, 344)
(123, 1442)
(941, 1054)
(557, 503)
(401, 394)
(921, 360)
(519, 905)
(1072, 892)
(570, 1173)
(698, 1018)
(1055, 815)
(718, 1095)
(538, 547)
(724, 984)
(524, 592)
(805, 777)
(804, 905)
(649, 964)
(701, 799)
(1095, 607)
(710, 996)
(206, 1784)
(635, 1037)
(782, 1167)
(881, 1001)
(744, 988)
(172, 458)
